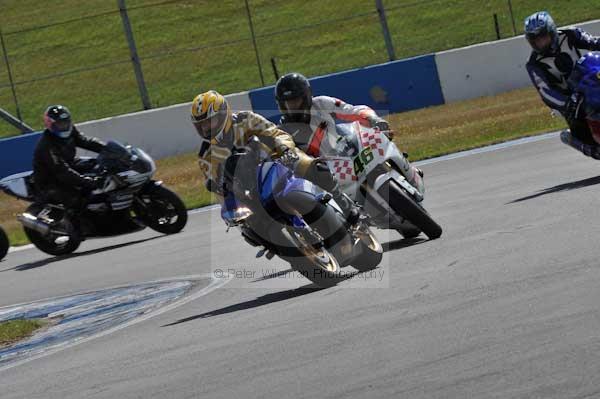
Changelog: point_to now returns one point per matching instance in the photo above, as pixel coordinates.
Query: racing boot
(572, 141)
(321, 175)
(349, 207)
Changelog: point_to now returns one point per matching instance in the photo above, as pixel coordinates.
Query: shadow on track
(254, 303)
(402, 243)
(273, 275)
(561, 187)
(47, 261)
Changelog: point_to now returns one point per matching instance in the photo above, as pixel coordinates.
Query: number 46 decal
(362, 160)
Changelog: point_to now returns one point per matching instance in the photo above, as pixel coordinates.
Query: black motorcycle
(129, 201)
(3, 244)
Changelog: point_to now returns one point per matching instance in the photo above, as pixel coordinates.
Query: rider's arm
(552, 96)
(268, 132)
(87, 143)
(208, 170)
(64, 172)
(347, 112)
(582, 40)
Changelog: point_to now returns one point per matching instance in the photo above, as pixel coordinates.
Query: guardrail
(474, 71)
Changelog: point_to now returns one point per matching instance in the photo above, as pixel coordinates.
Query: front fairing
(272, 179)
(342, 141)
(234, 212)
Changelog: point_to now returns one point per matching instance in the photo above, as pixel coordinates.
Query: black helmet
(57, 120)
(294, 97)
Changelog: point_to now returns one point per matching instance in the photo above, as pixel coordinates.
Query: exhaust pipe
(31, 222)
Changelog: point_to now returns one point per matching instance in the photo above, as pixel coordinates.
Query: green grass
(423, 134)
(16, 330)
(174, 75)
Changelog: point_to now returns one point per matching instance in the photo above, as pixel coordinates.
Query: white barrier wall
(161, 132)
(489, 68)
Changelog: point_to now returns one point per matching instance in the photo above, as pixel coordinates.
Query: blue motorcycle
(3, 244)
(292, 218)
(585, 85)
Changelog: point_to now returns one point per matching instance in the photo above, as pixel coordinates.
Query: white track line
(456, 155)
(214, 284)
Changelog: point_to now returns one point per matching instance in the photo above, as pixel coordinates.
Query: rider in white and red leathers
(308, 119)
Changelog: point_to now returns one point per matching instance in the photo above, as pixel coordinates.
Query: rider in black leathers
(56, 169)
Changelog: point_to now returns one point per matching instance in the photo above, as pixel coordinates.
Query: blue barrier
(391, 87)
(16, 153)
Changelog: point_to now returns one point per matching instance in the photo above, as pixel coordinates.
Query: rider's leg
(319, 173)
(74, 201)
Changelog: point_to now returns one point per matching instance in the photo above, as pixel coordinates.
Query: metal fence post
(7, 117)
(386, 31)
(260, 71)
(274, 65)
(512, 17)
(135, 60)
(497, 26)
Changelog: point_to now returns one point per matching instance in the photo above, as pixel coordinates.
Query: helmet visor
(540, 42)
(295, 104)
(210, 127)
(61, 125)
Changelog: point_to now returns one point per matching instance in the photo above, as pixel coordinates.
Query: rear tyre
(3, 244)
(403, 204)
(409, 233)
(163, 211)
(371, 251)
(46, 243)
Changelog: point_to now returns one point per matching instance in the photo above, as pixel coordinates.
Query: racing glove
(288, 157)
(574, 108)
(383, 126)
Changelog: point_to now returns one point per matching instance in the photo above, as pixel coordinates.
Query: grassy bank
(423, 134)
(191, 45)
(16, 330)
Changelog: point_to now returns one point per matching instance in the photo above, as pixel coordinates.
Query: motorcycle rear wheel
(47, 243)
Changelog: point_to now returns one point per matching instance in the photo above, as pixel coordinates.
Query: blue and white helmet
(540, 24)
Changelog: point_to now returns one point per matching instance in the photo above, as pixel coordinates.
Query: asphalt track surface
(504, 305)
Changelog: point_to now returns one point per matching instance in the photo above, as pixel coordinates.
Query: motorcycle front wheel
(315, 264)
(370, 250)
(403, 204)
(162, 211)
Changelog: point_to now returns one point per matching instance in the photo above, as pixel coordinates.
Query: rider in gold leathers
(222, 131)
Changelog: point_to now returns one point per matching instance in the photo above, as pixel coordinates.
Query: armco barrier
(160, 132)
(16, 153)
(489, 68)
(391, 87)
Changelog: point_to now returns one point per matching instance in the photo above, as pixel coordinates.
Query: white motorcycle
(367, 165)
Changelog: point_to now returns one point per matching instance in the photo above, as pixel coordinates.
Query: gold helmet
(211, 114)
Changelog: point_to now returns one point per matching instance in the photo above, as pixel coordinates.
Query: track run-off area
(505, 304)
